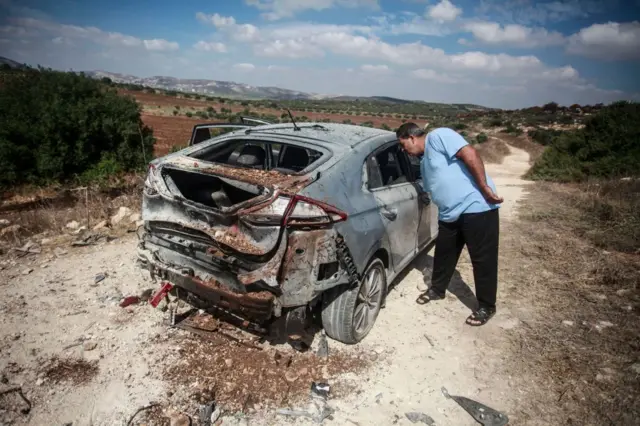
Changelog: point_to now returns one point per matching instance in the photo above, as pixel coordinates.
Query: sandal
(428, 296)
(482, 315)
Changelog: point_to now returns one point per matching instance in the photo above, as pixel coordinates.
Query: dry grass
(582, 342)
(493, 151)
(43, 213)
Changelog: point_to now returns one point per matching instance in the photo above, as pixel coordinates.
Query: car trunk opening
(211, 191)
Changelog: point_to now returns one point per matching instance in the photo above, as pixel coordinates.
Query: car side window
(387, 167)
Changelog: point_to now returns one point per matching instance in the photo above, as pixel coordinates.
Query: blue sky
(502, 53)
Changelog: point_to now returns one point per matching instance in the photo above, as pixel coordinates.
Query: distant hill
(11, 63)
(230, 89)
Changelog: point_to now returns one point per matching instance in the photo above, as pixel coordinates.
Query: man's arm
(472, 160)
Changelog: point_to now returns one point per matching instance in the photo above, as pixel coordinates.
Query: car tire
(343, 310)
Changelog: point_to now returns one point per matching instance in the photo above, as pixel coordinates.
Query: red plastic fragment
(129, 300)
(160, 294)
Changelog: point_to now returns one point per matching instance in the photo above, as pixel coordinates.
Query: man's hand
(491, 196)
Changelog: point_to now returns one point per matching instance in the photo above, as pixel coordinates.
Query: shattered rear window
(260, 155)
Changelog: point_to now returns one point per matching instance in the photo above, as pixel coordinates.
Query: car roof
(327, 133)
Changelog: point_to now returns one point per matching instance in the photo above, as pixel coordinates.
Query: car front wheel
(349, 314)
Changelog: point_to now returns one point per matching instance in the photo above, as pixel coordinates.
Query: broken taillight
(297, 211)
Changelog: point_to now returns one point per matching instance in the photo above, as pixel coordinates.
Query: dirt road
(53, 311)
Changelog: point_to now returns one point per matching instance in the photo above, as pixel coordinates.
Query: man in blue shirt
(453, 174)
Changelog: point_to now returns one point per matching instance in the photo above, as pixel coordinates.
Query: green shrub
(607, 147)
(495, 122)
(544, 136)
(481, 138)
(56, 126)
(189, 114)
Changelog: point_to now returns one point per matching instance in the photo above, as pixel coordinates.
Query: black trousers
(480, 232)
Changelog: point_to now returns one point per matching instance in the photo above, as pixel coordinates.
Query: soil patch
(76, 371)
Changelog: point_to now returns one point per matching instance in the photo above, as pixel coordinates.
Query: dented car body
(273, 222)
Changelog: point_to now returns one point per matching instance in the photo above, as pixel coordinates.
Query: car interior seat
(293, 159)
(252, 156)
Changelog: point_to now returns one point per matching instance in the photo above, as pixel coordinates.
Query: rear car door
(428, 224)
(389, 181)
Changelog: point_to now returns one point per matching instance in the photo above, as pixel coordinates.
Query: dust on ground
(53, 307)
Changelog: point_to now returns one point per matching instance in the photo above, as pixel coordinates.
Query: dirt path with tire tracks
(52, 309)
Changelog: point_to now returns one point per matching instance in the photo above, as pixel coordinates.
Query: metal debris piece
(129, 300)
(318, 409)
(415, 417)
(484, 415)
(323, 346)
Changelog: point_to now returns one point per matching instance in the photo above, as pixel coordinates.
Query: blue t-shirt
(452, 187)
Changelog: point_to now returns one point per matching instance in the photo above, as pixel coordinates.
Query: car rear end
(240, 239)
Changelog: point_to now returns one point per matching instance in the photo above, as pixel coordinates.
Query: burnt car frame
(274, 222)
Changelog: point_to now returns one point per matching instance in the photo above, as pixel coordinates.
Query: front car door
(428, 227)
(389, 181)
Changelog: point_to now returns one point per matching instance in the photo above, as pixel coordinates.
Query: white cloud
(610, 41)
(92, 34)
(444, 11)
(212, 46)
(244, 67)
(512, 35)
(429, 74)
(278, 9)
(228, 24)
(375, 69)
(290, 48)
(160, 45)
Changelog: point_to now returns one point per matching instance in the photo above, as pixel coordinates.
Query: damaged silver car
(273, 223)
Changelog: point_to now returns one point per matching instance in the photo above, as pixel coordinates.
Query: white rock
(101, 225)
(4, 222)
(567, 323)
(122, 213)
(73, 225)
(605, 324)
(134, 217)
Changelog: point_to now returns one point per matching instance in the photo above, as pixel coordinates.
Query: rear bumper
(258, 305)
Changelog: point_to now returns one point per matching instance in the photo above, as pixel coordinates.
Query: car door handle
(390, 214)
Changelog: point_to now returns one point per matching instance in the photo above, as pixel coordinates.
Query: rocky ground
(82, 358)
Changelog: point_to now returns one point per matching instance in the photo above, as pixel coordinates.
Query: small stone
(605, 324)
(73, 225)
(179, 419)
(89, 346)
(102, 225)
(59, 252)
(290, 376)
(27, 271)
(45, 241)
(4, 222)
(635, 368)
(623, 292)
(415, 417)
(568, 323)
(40, 382)
(228, 362)
(99, 278)
(379, 350)
(134, 217)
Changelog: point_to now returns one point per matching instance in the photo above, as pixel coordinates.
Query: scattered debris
(141, 409)
(323, 346)
(29, 248)
(209, 413)
(415, 417)
(484, 415)
(426, 336)
(99, 278)
(318, 409)
(59, 252)
(18, 390)
(90, 239)
(129, 300)
(11, 230)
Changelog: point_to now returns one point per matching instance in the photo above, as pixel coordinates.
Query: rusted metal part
(269, 178)
(306, 251)
(269, 272)
(247, 303)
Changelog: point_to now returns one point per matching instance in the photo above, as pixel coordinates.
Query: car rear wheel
(349, 314)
